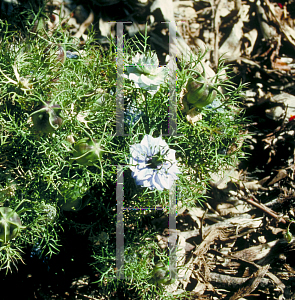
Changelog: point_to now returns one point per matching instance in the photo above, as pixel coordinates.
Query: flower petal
(148, 143)
(146, 80)
(167, 181)
(157, 182)
(144, 174)
(138, 152)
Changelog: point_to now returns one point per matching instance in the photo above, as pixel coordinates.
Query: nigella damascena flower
(153, 163)
(146, 73)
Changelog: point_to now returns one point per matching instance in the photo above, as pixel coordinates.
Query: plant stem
(147, 112)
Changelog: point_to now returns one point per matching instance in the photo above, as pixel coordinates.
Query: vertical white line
(172, 123)
(172, 131)
(172, 233)
(120, 132)
(120, 81)
(120, 224)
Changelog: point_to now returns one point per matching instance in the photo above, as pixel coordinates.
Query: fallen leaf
(281, 175)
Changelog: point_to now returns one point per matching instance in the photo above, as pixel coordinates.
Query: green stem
(146, 112)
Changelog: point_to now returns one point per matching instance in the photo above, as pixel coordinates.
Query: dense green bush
(59, 150)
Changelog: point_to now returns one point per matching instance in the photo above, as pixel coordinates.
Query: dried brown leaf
(281, 175)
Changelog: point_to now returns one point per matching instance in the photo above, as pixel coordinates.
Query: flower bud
(288, 236)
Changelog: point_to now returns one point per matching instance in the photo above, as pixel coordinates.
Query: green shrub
(51, 106)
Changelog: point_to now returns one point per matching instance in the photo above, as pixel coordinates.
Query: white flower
(145, 72)
(153, 164)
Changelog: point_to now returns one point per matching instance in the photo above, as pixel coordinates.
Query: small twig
(203, 10)
(263, 208)
(232, 283)
(85, 25)
(65, 20)
(203, 217)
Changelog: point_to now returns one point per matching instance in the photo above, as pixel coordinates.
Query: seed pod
(47, 118)
(87, 151)
(200, 92)
(72, 195)
(10, 224)
(71, 204)
(196, 89)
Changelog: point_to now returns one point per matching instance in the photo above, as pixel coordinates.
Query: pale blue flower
(153, 163)
(146, 73)
(72, 55)
(216, 103)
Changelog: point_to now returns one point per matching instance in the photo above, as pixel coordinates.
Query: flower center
(155, 161)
